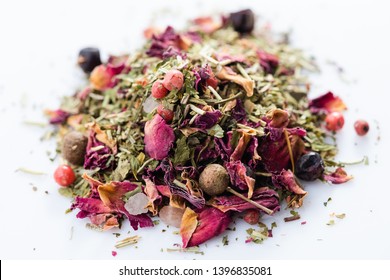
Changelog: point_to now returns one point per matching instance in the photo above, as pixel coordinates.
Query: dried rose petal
(252, 216)
(154, 198)
(112, 193)
(159, 138)
(238, 112)
(337, 177)
(239, 177)
(286, 180)
(247, 84)
(205, 77)
(275, 144)
(207, 120)
(165, 45)
(278, 118)
(91, 205)
(241, 146)
(101, 77)
(206, 25)
(268, 61)
(116, 64)
(96, 158)
(264, 196)
(327, 102)
(103, 137)
(188, 225)
(211, 222)
(58, 116)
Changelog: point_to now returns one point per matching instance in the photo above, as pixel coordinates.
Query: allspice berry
(214, 179)
(74, 147)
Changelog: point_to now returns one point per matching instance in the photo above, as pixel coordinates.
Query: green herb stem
(261, 207)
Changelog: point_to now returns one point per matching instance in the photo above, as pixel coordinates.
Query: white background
(39, 42)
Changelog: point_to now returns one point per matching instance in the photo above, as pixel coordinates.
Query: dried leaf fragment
(247, 84)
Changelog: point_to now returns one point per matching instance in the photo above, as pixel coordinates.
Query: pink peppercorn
(173, 79)
(361, 127)
(158, 90)
(165, 113)
(334, 121)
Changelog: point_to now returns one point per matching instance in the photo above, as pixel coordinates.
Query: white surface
(38, 48)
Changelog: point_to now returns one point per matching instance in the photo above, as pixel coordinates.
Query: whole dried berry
(158, 90)
(310, 167)
(64, 175)
(243, 21)
(74, 147)
(88, 59)
(165, 113)
(214, 179)
(361, 127)
(173, 79)
(334, 121)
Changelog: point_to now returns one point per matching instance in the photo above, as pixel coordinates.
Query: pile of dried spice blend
(198, 127)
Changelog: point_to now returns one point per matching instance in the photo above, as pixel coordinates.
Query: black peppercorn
(243, 21)
(88, 59)
(310, 167)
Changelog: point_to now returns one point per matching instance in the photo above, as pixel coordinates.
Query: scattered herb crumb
(34, 123)
(30, 171)
(340, 216)
(257, 236)
(93, 227)
(294, 213)
(225, 240)
(330, 223)
(127, 241)
(292, 218)
(117, 234)
(194, 249)
(326, 202)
